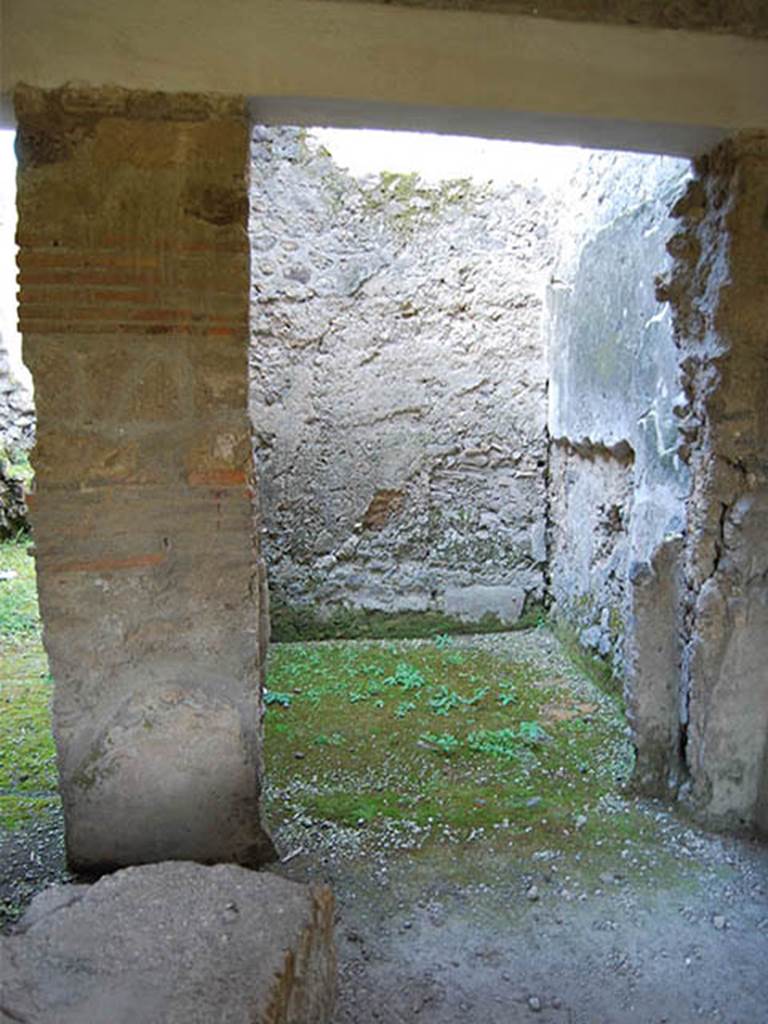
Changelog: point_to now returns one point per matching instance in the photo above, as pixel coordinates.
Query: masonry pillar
(719, 291)
(134, 294)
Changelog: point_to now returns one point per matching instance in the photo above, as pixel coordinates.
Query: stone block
(194, 753)
(473, 602)
(173, 942)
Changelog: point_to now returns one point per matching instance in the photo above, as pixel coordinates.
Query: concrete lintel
(515, 76)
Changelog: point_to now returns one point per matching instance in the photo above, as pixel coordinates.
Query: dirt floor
(675, 933)
(650, 922)
(464, 798)
(481, 935)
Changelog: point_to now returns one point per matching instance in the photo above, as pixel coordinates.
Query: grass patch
(27, 752)
(19, 614)
(28, 776)
(437, 735)
(17, 811)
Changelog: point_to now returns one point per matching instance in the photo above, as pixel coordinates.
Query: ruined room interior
(183, 320)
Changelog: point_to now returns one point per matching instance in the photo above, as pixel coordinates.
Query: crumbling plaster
(717, 290)
(618, 483)
(685, 567)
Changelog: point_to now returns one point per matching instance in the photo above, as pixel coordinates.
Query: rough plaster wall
(134, 272)
(744, 17)
(398, 388)
(17, 413)
(615, 466)
(591, 506)
(717, 288)
(614, 380)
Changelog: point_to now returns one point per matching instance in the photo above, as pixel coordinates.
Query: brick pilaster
(134, 273)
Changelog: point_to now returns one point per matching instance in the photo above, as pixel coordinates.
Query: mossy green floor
(434, 741)
(28, 776)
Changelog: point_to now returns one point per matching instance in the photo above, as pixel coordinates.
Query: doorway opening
(465, 400)
(463, 397)
(462, 387)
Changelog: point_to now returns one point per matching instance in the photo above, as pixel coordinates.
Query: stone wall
(17, 408)
(619, 481)
(17, 411)
(618, 485)
(398, 384)
(717, 289)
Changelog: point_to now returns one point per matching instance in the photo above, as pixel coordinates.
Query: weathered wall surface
(718, 288)
(614, 382)
(398, 388)
(618, 482)
(17, 411)
(744, 17)
(591, 506)
(676, 390)
(134, 271)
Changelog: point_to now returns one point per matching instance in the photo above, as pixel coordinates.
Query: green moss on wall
(291, 623)
(407, 201)
(595, 668)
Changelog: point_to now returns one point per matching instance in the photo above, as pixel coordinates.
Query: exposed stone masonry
(717, 288)
(398, 387)
(17, 410)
